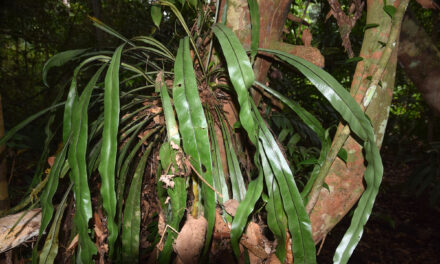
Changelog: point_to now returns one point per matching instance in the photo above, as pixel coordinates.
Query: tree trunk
(420, 59)
(345, 179)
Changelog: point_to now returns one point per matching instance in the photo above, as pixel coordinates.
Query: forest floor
(401, 229)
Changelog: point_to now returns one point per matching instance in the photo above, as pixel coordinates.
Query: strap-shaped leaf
(217, 172)
(235, 175)
(276, 217)
(245, 208)
(255, 26)
(341, 100)
(178, 193)
(60, 59)
(240, 74)
(314, 125)
(50, 249)
(303, 246)
(109, 145)
(193, 127)
(77, 162)
(172, 129)
(132, 214)
(48, 193)
(177, 196)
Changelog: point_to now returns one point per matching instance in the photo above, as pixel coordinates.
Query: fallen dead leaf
(168, 180)
(231, 206)
(190, 241)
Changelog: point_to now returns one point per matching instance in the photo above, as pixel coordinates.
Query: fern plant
(145, 105)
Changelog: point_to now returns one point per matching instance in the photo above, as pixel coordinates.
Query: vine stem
(343, 134)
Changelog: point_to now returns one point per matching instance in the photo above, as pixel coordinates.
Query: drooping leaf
(177, 196)
(300, 228)
(110, 144)
(314, 125)
(235, 175)
(172, 129)
(101, 25)
(218, 173)
(240, 74)
(244, 209)
(131, 226)
(360, 124)
(276, 217)
(77, 162)
(126, 166)
(60, 59)
(50, 249)
(255, 27)
(194, 128)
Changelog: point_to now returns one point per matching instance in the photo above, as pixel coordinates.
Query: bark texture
(420, 59)
(345, 179)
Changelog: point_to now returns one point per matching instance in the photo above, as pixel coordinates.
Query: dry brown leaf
(253, 241)
(231, 206)
(26, 228)
(73, 244)
(168, 180)
(190, 241)
(51, 161)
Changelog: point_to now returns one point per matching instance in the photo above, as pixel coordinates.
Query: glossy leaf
(110, 145)
(218, 173)
(276, 217)
(131, 226)
(50, 249)
(177, 196)
(341, 100)
(172, 129)
(314, 125)
(235, 175)
(193, 127)
(244, 209)
(60, 59)
(126, 166)
(240, 74)
(303, 246)
(77, 162)
(255, 26)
